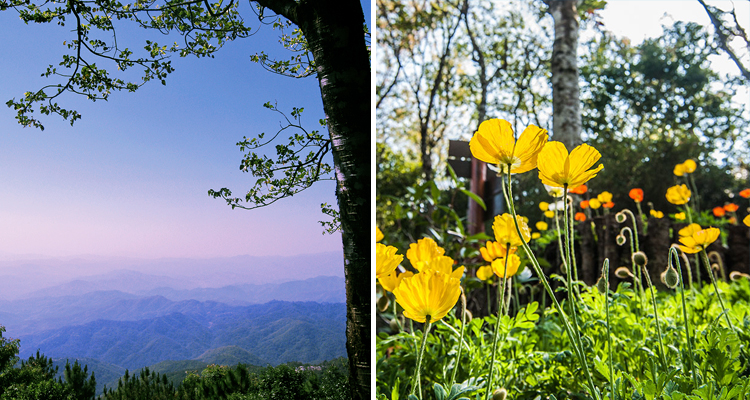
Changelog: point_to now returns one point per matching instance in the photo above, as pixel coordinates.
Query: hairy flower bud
(395, 325)
(601, 285)
(670, 277)
(620, 217)
(383, 303)
(640, 259)
(564, 269)
(623, 273)
(499, 394)
(620, 239)
(468, 316)
(737, 275)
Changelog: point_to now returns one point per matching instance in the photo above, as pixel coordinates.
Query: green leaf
(474, 197)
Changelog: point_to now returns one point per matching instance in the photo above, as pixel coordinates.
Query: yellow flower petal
(378, 234)
(678, 195)
(424, 250)
(495, 143)
(559, 169)
(498, 266)
(386, 259)
(485, 273)
(505, 230)
(689, 166)
(428, 293)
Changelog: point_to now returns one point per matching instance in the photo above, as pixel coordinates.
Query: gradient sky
(130, 178)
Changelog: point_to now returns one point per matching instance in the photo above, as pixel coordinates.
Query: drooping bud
(499, 394)
(640, 259)
(620, 217)
(715, 267)
(564, 269)
(620, 239)
(383, 303)
(737, 275)
(623, 273)
(468, 316)
(670, 277)
(601, 285)
(395, 325)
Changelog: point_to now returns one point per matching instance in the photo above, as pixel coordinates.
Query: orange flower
(580, 216)
(731, 207)
(579, 189)
(584, 204)
(745, 193)
(608, 204)
(636, 194)
(719, 211)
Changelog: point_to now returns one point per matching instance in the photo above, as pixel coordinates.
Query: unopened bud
(737, 275)
(564, 269)
(620, 217)
(601, 285)
(620, 239)
(640, 259)
(383, 303)
(395, 325)
(522, 289)
(670, 277)
(623, 273)
(468, 316)
(500, 394)
(715, 267)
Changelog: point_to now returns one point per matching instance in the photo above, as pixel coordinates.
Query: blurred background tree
(645, 107)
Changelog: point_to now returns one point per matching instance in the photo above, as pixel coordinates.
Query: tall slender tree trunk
(334, 33)
(566, 103)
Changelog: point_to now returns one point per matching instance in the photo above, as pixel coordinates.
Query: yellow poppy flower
(595, 203)
(536, 235)
(689, 166)
(541, 226)
(544, 206)
(689, 230)
(505, 230)
(657, 214)
(678, 195)
(392, 280)
(495, 144)
(386, 259)
(485, 273)
(378, 234)
(430, 293)
(679, 170)
(746, 221)
(680, 216)
(439, 263)
(559, 169)
(493, 250)
(604, 197)
(425, 249)
(699, 240)
(498, 266)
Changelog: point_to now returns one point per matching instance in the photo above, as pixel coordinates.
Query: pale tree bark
(334, 32)
(566, 103)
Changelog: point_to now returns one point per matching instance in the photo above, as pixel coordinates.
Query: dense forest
(38, 379)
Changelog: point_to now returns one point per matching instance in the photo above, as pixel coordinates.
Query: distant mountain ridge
(276, 332)
(27, 278)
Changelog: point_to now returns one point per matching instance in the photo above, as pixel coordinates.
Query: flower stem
(417, 377)
(673, 256)
(697, 260)
(656, 317)
(500, 314)
(605, 274)
(460, 338)
(545, 283)
(716, 288)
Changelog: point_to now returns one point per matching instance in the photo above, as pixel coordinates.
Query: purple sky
(131, 177)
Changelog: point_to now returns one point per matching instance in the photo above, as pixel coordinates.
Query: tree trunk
(334, 32)
(566, 103)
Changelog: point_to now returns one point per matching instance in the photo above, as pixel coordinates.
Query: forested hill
(276, 332)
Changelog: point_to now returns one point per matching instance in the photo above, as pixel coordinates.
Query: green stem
(417, 378)
(460, 338)
(548, 288)
(673, 256)
(656, 318)
(500, 311)
(605, 274)
(716, 288)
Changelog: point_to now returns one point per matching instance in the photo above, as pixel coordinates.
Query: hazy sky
(130, 178)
